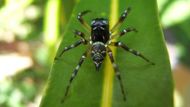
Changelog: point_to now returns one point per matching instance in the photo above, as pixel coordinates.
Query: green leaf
(146, 85)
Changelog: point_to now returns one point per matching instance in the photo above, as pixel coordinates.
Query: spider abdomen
(98, 54)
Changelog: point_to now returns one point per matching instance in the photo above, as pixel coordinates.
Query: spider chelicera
(98, 45)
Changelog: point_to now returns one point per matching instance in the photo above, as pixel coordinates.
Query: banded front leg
(121, 19)
(82, 21)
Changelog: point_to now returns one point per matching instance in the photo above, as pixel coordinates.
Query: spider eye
(105, 22)
(92, 23)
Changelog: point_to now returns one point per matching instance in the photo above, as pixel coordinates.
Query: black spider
(99, 42)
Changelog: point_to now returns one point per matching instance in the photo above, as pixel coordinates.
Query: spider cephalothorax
(100, 30)
(98, 45)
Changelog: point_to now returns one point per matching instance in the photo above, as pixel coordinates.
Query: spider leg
(82, 21)
(116, 72)
(80, 34)
(74, 74)
(70, 47)
(125, 47)
(121, 19)
(123, 32)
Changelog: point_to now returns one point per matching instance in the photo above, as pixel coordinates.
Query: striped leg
(116, 72)
(74, 74)
(123, 32)
(80, 34)
(121, 19)
(81, 20)
(70, 47)
(125, 47)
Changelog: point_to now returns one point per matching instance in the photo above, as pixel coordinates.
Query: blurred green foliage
(27, 18)
(175, 18)
(181, 36)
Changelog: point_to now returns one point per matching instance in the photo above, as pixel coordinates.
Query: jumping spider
(100, 39)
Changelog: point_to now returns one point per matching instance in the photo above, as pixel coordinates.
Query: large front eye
(92, 23)
(105, 22)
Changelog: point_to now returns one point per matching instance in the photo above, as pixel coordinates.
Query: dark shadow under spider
(100, 40)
